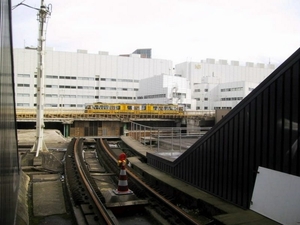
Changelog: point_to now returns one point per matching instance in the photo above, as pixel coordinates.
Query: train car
(133, 108)
(164, 109)
(113, 108)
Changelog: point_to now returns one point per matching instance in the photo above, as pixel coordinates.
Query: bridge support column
(124, 129)
(66, 130)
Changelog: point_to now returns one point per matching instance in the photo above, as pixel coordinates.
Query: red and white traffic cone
(123, 182)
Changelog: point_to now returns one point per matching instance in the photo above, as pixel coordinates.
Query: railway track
(92, 175)
(86, 200)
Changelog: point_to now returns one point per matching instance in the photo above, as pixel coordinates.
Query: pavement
(43, 186)
(53, 138)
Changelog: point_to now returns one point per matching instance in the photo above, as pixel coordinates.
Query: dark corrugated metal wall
(9, 167)
(261, 131)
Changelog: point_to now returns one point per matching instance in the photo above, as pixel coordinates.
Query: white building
(166, 89)
(219, 85)
(73, 79)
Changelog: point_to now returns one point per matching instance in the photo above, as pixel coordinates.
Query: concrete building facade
(219, 84)
(166, 89)
(73, 79)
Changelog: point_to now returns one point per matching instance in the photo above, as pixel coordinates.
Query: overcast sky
(179, 30)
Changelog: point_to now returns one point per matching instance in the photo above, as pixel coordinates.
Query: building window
(23, 104)
(23, 75)
(232, 99)
(51, 105)
(23, 95)
(232, 89)
(86, 78)
(51, 95)
(67, 87)
(51, 77)
(23, 85)
(67, 77)
(51, 86)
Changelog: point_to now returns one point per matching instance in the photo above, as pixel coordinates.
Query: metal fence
(165, 138)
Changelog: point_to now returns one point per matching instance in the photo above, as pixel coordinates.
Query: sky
(259, 31)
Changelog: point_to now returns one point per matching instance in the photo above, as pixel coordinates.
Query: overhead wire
(21, 3)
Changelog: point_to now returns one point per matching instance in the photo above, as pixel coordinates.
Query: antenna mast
(39, 144)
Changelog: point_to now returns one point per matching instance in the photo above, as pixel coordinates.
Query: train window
(118, 107)
(136, 107)
(129, 107)
(112, 108)
(143, 107)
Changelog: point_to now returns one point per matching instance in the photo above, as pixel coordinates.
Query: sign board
(276, 195)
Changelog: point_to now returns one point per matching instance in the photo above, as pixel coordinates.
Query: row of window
(198, 99)
(77, 96)
(117, 97)
(199, 108)
(205, 108)
(179, 95)
(23, 85)
(224, 99)
(81, 78)
(232, 89)
(119, 80)
(222, 108)
(23, 75)
(152, 96)
(227, 89)
(118, 89)
(232, 99)
(199, 90)
(83, 87)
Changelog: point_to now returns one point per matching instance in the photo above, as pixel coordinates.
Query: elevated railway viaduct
(77, 123)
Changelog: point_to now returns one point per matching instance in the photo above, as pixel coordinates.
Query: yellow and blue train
(133, 108)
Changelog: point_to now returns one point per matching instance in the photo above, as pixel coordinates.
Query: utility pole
(39, 144)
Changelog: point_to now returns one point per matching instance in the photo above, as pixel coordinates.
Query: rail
(100, 206)
(130, 173)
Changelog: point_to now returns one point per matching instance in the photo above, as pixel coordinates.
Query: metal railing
(165, 138)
